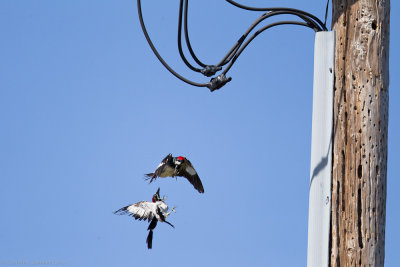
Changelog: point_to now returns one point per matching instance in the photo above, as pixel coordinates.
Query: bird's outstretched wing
(160, 168)
(190, 173)
(143, 210)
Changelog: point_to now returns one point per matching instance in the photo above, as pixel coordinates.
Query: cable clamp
(217, 82)
(210, 70)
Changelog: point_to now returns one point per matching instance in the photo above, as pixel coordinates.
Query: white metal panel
(321, 151)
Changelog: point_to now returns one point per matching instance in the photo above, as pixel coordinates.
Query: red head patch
(180, 158)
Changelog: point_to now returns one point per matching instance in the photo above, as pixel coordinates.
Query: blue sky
(87, 110)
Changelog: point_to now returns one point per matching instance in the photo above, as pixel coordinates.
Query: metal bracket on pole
(321, 151)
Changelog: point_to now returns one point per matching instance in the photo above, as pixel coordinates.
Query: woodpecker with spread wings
(153, 211)
(177, 166)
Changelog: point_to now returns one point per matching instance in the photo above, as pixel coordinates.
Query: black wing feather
(193, 179)
(160, 169)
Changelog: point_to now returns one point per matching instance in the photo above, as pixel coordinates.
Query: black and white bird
(177, 166)
(153, 211)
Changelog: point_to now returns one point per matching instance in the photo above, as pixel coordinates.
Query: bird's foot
(172, 210)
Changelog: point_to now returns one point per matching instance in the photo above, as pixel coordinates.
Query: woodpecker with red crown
(177, 166)
(153, 211)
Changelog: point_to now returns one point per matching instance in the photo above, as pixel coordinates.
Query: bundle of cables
(305, 19)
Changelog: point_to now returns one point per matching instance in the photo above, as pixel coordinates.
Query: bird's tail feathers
(149, 176)
(152, 224)
(149, 240)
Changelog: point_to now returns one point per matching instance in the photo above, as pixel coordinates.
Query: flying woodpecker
(177, 166)
(153, 211)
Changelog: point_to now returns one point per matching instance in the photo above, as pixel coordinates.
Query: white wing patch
(143, 209)
(190, 170)
(159, 165)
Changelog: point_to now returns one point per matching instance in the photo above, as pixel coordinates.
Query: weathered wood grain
(361, 100)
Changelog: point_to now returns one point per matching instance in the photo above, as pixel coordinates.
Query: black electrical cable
(275, 11)
(190, 66)
(187, 37)
(233, 54)
(326, 12)
(257, 33)
(208, 70)
(158, 55)
(278, 9)
(323, 27)
(235, 48)
(195, 58)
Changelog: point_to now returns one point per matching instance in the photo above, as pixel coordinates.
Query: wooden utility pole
(361, 101)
